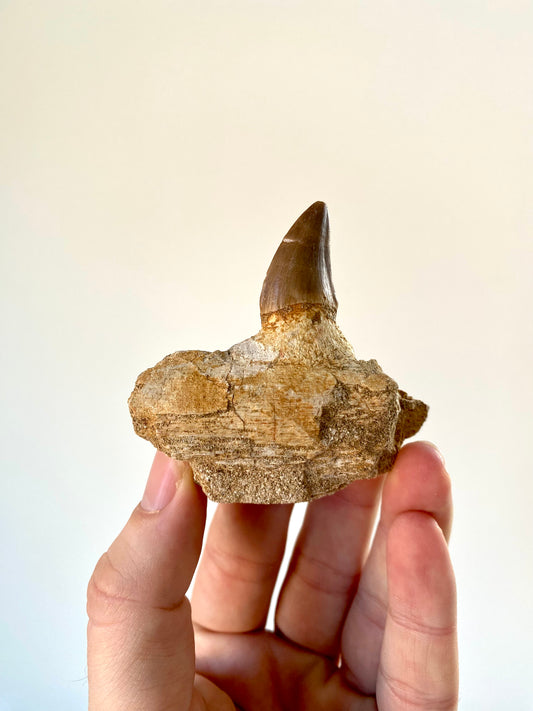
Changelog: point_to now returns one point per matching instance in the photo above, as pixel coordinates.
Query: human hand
(361, 624)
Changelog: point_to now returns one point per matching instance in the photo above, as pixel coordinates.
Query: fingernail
(163, 480)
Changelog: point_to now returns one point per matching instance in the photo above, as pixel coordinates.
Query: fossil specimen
(289, 414)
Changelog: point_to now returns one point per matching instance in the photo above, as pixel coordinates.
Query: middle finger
(325, 566)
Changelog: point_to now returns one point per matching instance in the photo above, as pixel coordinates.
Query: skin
(362, 622)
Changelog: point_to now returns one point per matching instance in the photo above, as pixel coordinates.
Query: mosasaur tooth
(289, 414)
(300, 272)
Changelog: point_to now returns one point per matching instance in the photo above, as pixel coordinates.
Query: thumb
(140, 637)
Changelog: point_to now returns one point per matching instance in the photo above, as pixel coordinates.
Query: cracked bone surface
(289, 414)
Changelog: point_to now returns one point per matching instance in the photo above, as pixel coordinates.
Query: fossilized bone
(289, 414)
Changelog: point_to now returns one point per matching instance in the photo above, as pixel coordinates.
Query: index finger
(239, 566)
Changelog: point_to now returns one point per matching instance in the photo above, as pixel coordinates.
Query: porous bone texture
(287, 415)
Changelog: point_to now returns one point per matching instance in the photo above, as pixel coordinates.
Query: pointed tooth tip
(319, 205)
(317, 211)
(311, 226)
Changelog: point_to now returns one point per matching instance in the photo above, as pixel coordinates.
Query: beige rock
(289, 414)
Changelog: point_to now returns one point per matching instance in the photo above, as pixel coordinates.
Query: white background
(152, 156)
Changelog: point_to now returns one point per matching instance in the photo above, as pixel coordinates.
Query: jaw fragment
(289, 414)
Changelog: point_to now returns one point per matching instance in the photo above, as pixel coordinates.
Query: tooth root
(300, 272)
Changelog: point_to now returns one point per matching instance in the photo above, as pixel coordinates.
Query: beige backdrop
(152, 155)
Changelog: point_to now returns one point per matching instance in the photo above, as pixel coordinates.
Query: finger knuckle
(417, 625)
(110, 594)
(372, 607)
(322, 575)
(225, 563)
(407, 695)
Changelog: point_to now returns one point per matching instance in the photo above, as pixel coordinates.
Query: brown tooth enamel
(300, 272)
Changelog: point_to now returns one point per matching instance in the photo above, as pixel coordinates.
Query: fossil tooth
(289, 414)
(300, 272)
